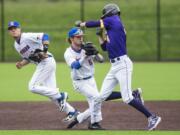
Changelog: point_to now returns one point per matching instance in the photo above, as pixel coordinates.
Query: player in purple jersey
(121, 65)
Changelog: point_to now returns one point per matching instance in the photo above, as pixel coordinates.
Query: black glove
(90, 49)
(99, 32)
(77, 23)
(37, 56)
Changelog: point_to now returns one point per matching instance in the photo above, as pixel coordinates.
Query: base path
(116, 116)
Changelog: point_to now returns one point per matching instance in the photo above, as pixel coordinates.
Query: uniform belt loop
(115, 59)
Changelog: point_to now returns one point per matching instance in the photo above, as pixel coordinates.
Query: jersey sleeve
(45, 39)
(106, 23)
(91, 24)
(69, 58)
(36, 37)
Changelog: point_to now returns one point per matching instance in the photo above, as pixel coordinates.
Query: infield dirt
(116, 116)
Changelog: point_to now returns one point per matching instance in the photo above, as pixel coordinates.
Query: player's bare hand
(19, 65)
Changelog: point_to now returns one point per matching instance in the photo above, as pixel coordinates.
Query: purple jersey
(116, 45)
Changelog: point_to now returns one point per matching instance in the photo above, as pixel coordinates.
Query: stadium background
(152, 26)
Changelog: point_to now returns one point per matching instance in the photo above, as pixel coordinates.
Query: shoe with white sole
(153, 122)
(71, 116)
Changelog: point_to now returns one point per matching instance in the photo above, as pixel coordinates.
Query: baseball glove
(90, 49)
(37, 56)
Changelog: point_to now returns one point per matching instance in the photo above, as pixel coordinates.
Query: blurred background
(153, 26)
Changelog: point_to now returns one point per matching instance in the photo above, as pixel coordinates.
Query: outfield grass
(160, 81)
(139, 18)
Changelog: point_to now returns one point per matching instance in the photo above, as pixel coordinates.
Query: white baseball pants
(43, 82)
(120, 73)
(89, 89)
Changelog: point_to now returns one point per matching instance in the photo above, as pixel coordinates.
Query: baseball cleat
(71, 116)
(73, 123)
(63, 99)
(153, 121)
(95, 126)
(137, 94)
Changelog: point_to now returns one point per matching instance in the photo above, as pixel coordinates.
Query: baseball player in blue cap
(121, 65)
(81, 63)
(33, 48)
(80, 56)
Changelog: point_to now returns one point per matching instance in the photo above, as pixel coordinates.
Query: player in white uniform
(82, 74)
(33, 49)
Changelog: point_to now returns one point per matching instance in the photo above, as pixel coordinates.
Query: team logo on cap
(11, 23)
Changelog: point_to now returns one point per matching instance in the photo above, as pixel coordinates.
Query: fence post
(82, 10)
(2, 31)
(158, 31)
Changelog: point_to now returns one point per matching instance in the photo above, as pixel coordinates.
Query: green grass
(56, 18)
(159, 81)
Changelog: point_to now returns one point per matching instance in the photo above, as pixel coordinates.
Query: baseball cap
(13, 24)
(75, 32)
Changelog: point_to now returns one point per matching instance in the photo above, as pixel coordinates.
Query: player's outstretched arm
(89, 24)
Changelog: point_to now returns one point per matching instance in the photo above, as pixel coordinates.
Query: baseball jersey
(87, 66)
(116, 43)
(28, 43)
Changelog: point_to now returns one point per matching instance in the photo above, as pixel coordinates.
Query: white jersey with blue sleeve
(28, 43)
(86, 68)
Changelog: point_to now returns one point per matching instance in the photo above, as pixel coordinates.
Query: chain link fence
(153, 29)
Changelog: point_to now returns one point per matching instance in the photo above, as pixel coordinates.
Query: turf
(159, 81)
(56, 18)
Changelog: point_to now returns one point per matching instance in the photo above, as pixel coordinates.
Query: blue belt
(86, 78)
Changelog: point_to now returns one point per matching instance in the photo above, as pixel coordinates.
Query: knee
(98, 99)
(127, 99)
(94, 97)
(32, 88)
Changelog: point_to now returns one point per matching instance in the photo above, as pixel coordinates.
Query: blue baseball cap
(13, 24)
(75, 32)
